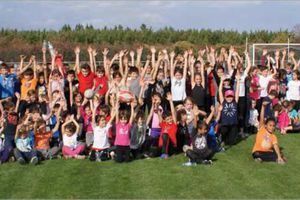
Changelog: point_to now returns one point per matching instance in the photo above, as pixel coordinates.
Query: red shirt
(103, 82)
(169, 129)
(211, 84)
(85, 82)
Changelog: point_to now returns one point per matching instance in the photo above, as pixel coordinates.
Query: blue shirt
(7, 85)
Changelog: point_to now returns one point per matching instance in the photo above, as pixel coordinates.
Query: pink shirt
(122, 134)
(283, 120)
(87, 120)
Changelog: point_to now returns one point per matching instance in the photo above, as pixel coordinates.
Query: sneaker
(207, 162)
(34, 160)
(21, 161)
(164, 156)
(188, 164)
(259, 160)
(97, 154)
(80, 157)
(185, 148)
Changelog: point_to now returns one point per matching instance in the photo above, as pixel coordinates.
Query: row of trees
(14, 42)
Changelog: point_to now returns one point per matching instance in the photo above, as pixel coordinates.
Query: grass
(233, 175)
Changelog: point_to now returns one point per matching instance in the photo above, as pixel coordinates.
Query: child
(138, 135)
(85, 74)
(229, 116)
(282, 117)
(153, 120)
(199, 152)
(182, 134)
(167, 139)
(293, 93)
(101, 131)
(266, 147)
(178, 81)
(42, 138)
(86, 114)
(71, 147)
(24, 151)
(10, 119)
(253, 118)
(123, 125)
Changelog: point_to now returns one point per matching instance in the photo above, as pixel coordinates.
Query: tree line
(14, 42)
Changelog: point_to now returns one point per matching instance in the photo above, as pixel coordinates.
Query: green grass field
(233, 175)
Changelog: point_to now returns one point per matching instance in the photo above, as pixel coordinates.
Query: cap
(229, 93)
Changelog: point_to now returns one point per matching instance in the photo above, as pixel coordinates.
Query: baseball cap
(229, 93)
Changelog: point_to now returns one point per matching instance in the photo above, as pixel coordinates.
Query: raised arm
(283, 59)
(153, 60)
(172, 67)
(90, 52)
(185, 64)
(248, 63)
(77, 62)
(169, 98)
(262, 114)
(237, 89)
(139, 52)
(23, 69)
(131, 53)
(106, 67)
(229, 66)
(132, 115)
(211, 115)
(221, 97)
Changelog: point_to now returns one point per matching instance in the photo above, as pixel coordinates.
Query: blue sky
(233, 15)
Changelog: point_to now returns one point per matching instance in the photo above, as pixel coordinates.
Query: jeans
(27, 156)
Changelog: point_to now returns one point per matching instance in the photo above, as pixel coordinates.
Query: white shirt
(70, 141)
(293, 92)
(101, 137)
(253, 117)
(242, 85)
(178, 89)
(263, 82)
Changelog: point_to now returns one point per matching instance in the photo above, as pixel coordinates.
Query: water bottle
(51, 49)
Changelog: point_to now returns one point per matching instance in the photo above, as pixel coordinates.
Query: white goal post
(256, 50)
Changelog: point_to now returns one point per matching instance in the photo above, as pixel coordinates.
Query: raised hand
(265, 51)
(131, 53)
(105, 51)
(139, 50)
(152, 49)
(172, 54)
(169, 96)
(89, 49)
(77, 50)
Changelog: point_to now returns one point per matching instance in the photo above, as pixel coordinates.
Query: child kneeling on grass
(199, 152)
(71, 147)
(266, 147)
(24, 151)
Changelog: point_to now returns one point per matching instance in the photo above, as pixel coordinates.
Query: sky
(229, 15)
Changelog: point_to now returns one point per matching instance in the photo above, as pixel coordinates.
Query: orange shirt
(264, 141)
(26, 86)
(42, 140)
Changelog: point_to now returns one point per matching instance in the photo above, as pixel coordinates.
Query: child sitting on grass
(266, 146)
(24, 151)
(71, 147)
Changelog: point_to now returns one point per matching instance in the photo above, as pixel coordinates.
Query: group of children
(125, 110)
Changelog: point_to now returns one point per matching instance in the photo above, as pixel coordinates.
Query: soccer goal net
(257, 48)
